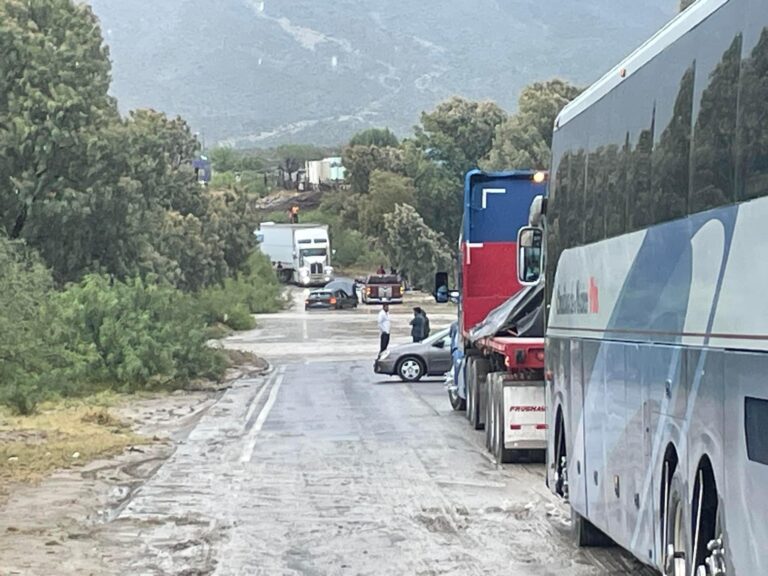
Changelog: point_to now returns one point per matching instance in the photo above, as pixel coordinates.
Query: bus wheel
(561, 459)
(708, 544)
(675, 526)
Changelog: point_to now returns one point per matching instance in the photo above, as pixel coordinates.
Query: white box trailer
(300, 253)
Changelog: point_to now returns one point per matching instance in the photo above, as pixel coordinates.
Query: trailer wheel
(284, 275)
(503, 455)
(457, 402)
(468, 386)
(479, 377)
(490, 417)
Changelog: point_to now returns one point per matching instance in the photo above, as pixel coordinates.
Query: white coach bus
(657, 278)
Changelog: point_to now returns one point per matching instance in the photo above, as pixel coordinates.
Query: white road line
(257, 399)
(253, 434)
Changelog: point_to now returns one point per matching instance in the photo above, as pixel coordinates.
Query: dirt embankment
(68, 470)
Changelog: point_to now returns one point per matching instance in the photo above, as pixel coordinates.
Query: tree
(438, 192)
(54, 78)
(413, 247)
(525, 139)
(293, 157)
(386, 190)
(381, 137)
(361, 160)
(459, 133)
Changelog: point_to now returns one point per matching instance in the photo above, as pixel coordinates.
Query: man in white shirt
(384, 327)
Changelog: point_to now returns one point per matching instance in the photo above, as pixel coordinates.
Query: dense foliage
(112, 257)
(406, 198)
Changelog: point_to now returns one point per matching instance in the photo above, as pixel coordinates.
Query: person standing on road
(384, 327)
(426, 323)
(417, 325)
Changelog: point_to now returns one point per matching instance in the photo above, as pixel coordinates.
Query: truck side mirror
(441, 293)
(530, 255)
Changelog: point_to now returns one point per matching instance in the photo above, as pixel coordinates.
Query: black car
(346, 285)
(325, 299)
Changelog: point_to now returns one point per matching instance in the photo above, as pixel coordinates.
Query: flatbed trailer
(505, 396)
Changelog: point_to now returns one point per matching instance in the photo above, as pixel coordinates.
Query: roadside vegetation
(401, 204)
(60, 435)
(115, 264)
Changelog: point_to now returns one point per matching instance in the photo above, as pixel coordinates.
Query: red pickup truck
(379, 288)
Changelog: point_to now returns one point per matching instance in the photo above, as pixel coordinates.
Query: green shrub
(137, 334)
(255, 291)
(31, 358)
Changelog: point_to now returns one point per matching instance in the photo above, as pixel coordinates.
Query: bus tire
(586, 534)
(675, 523)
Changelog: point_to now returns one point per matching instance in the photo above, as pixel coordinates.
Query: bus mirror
(530, 255)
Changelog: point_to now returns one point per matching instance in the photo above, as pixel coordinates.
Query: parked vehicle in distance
(324, 299)
(411, 362)
(380, 288)
(300, 253)
(347, 285)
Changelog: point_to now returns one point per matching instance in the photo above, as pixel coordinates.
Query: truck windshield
(313, 252)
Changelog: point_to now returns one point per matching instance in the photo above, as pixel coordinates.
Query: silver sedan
(431, 357)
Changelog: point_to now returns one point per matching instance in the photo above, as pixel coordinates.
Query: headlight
(303, 272)
(384, 355)
(305, 280)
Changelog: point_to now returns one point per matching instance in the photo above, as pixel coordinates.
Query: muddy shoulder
(59, 487)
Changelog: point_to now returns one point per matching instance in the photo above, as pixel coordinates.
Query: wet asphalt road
(323, 468)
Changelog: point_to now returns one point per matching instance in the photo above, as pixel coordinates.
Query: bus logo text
(580, 299)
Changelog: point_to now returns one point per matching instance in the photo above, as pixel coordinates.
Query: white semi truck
(300, 253)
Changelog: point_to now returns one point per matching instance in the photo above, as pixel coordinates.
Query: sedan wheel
(410, 369)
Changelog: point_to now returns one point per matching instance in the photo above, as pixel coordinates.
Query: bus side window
(752, 127)
(755, 425)
(716, 94)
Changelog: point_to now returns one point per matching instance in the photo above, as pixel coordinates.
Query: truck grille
(316, 268)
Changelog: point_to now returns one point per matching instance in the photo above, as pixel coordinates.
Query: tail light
(515, 426)
(306, 301)
(333, 300)
(538, 354)
(541, 426)
(368, 290)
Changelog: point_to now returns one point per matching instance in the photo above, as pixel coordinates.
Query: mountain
(255, 73)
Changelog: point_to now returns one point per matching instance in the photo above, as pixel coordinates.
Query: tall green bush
(137, 334)
(256, 290)
(31, 358)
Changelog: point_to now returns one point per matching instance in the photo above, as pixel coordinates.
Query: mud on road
(318, 468)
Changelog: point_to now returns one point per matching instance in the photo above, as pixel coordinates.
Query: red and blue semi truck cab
(496, 206)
